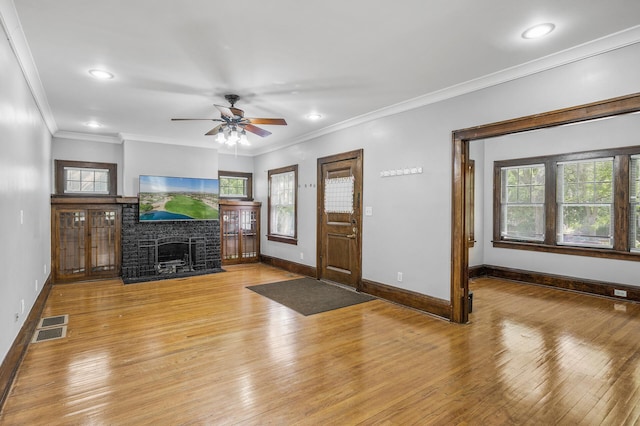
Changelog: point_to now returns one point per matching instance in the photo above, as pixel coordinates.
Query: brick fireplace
(172, 249)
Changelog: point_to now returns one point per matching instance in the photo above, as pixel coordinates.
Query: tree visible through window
(582, 203)
(523, 202)
(236, 185)
(283, 189)
(585, 203)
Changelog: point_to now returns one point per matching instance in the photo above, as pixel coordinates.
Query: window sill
(570, 250)
(283, 239)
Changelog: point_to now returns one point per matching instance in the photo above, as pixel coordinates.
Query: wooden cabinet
(240, 231)
(85, 240)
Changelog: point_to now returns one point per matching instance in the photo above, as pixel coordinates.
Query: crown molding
(577, 53)
(63, 134)
(18, 42)
(168, 141)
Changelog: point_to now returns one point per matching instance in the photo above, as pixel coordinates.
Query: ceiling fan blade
(214, 131)
(274, 121)
(256, 130)
(237, 112)
(231, 112)
(191, 119)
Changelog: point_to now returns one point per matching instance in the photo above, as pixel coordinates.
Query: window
(79, 178)
(282, 210)
(236, 185)
(522, 203)
(584, 203)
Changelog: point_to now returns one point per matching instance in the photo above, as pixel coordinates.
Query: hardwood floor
(205, 350)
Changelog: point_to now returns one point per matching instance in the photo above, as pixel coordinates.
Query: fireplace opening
(175, 257)
(171, 255)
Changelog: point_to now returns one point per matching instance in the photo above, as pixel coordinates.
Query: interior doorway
(339, 218)
(460, 232)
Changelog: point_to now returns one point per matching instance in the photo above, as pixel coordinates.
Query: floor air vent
(51, 328)
(53, 321)
(49, 334)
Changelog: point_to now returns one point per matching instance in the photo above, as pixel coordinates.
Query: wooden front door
(339, 218)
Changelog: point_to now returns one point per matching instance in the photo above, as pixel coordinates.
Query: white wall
(86, 150)
(25, 182)
(148, 158)
(235, 163)
(410, 230)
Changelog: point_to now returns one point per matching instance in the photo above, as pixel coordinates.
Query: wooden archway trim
(462, 138)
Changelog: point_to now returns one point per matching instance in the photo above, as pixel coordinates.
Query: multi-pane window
(283, 188)
(82, 178)
(86, 181)
(585, 203)
(236, 185)
(634, 201)
(522, 201)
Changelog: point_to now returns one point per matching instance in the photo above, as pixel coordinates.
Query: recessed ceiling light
(538, 31)
(101, 74)
(93, 124)
(314, 116)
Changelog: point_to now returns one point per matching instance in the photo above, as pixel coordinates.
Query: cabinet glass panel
(103, 240)
(230, 234)
(71, 228)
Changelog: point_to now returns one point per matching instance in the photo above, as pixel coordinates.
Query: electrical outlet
(45, 269)
(400, 277)
(21, 217)
(21, 306)
(36, 285)
(620, 293)
(301, 255)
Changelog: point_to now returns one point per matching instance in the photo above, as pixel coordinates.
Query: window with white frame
(282, 215)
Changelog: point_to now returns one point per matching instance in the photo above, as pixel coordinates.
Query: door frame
(459, 184)
(350, 155)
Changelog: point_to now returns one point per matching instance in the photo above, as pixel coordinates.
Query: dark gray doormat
(308, 296)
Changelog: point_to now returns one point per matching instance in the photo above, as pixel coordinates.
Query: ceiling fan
(234, 124)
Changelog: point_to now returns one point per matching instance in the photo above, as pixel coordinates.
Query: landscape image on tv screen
(163, 198)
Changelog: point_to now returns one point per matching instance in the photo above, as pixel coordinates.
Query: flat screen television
(163, 198)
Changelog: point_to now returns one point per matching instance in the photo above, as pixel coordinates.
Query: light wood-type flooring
(206, 350)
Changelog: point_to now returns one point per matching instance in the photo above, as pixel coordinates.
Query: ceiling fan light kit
(234, 125)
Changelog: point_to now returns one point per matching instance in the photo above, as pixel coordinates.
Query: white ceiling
(347, 60)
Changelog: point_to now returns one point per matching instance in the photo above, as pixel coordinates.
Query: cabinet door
(249, 235)
(70, 234)
(86, 243)
(105, 246)
(230, 234)
(240, 233)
